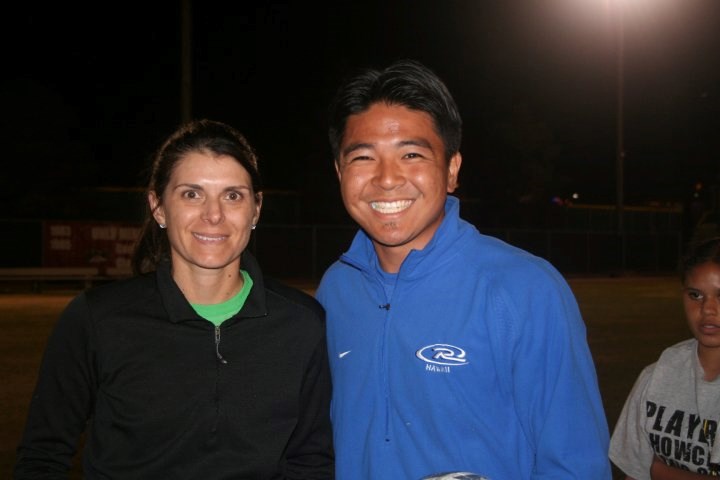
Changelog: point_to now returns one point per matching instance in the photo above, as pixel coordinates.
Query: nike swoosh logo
(341, 355)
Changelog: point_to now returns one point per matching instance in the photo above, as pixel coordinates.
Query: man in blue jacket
(451, 352)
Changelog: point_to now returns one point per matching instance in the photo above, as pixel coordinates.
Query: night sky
(89, 92)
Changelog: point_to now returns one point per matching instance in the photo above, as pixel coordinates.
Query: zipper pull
(217, 346)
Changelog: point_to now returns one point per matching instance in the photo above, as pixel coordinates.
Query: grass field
(629, 321)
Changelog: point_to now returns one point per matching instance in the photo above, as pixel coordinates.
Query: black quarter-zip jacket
(164, 394)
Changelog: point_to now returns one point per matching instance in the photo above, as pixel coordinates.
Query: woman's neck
(207, 286)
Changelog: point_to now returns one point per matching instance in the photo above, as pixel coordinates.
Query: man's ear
(337, 170)
(453, 172)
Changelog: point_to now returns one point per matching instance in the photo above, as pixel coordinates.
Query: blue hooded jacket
(472, 358)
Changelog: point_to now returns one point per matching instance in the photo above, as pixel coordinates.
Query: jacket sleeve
(555, 384)
(310, 452)
(62, 401)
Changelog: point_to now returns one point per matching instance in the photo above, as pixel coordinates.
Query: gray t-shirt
(671, 412)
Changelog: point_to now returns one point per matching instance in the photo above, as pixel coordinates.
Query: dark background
(90, 90)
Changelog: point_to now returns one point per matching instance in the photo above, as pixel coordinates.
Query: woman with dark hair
(197, 366)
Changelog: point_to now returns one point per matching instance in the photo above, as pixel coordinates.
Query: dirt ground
(629, 321)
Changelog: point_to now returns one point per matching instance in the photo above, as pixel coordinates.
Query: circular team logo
(455, 476)
(442, 354)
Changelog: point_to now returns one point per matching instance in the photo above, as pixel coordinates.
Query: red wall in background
(107, 246)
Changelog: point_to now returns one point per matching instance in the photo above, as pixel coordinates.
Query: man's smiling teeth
(214, 238)
(391, 207)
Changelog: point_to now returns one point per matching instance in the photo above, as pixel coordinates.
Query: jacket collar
(179, 309)
(418, 262)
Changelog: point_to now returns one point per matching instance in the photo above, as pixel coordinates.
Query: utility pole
(620, 133)
(186, 61)
(620, 152)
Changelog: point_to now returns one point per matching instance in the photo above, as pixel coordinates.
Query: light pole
(620, 129)
(186, 61)
(620, 133)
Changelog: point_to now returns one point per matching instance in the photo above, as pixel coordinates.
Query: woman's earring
(252, 227)
(162, 225)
